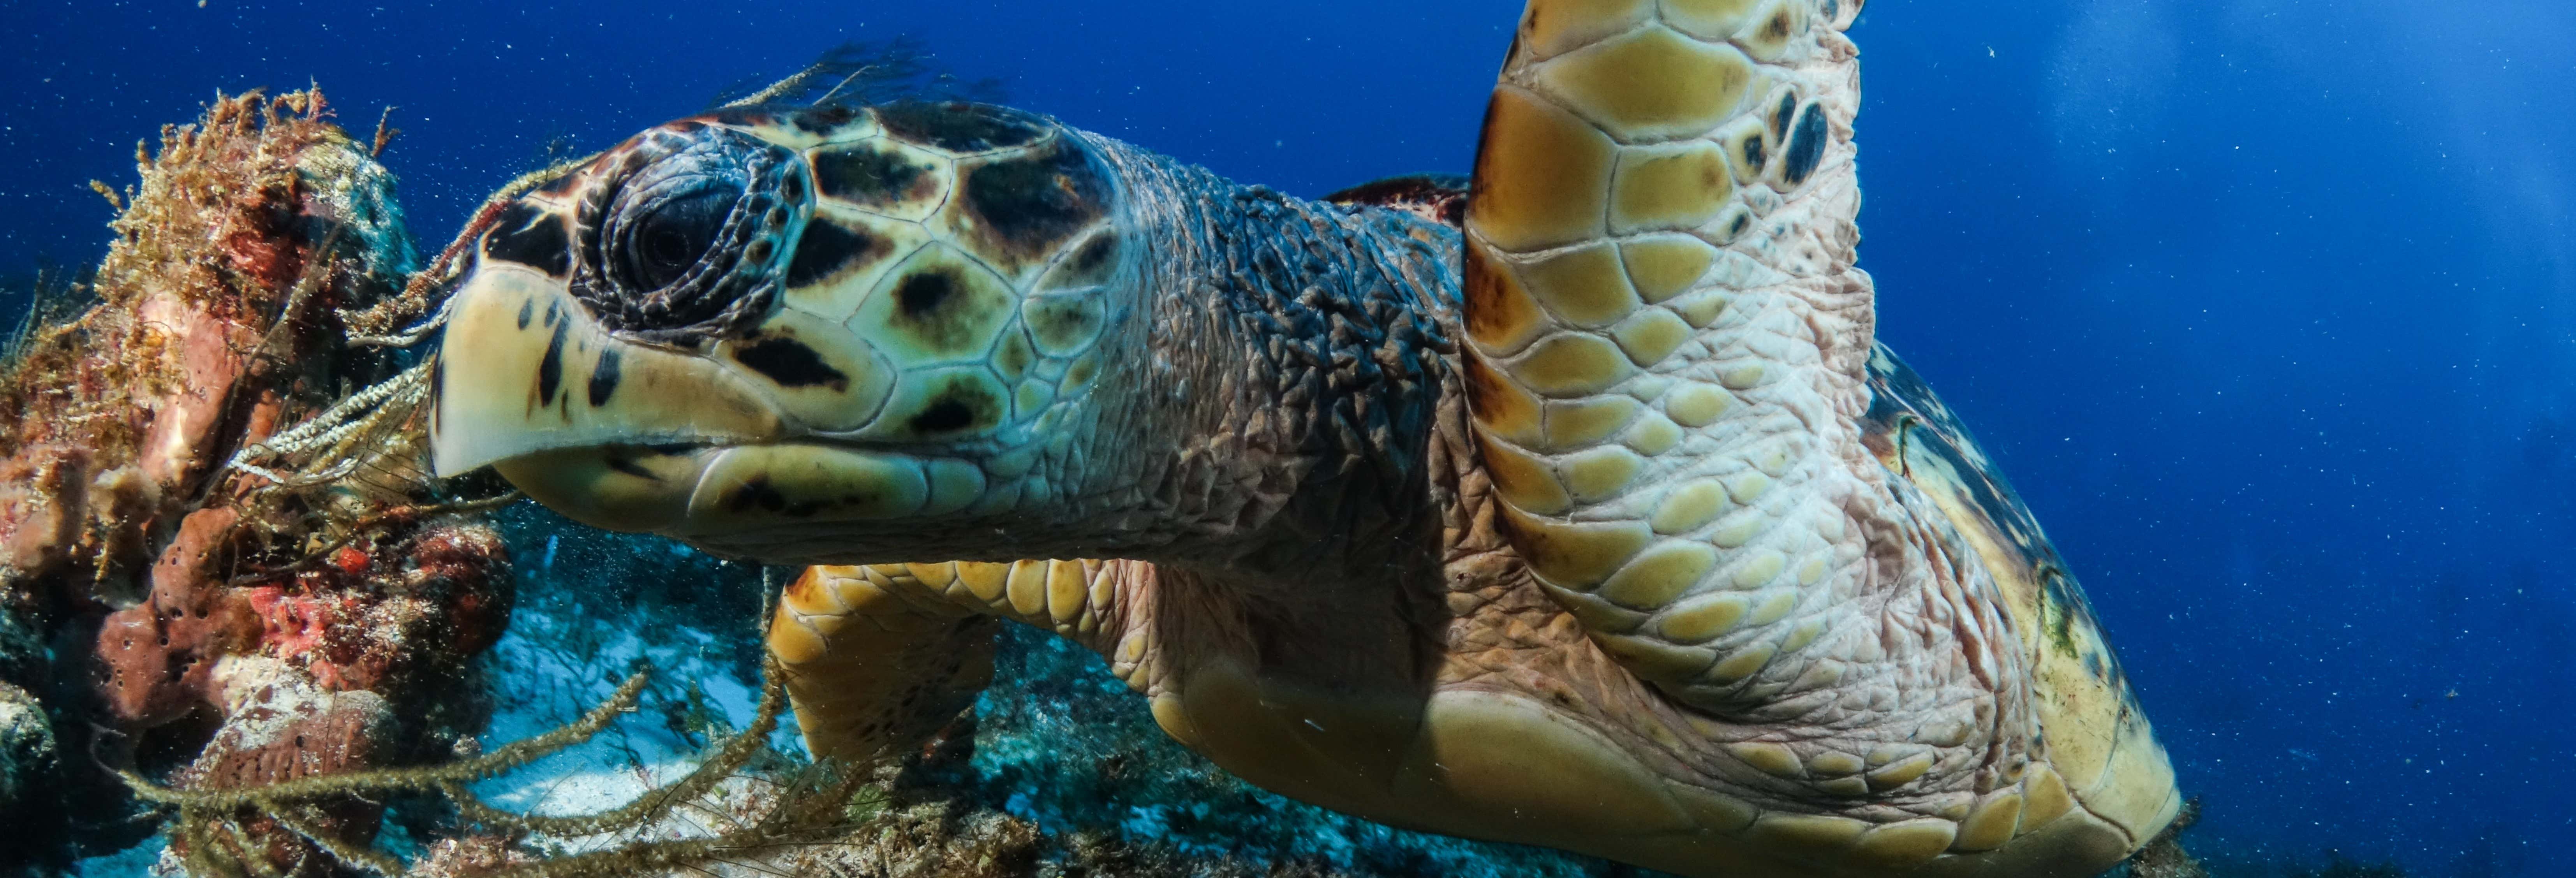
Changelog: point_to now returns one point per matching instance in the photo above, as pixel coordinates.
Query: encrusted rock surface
(215, 626)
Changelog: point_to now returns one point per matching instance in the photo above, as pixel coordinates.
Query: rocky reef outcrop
(179, 598)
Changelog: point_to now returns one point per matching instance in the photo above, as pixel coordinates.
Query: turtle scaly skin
(1595, 519)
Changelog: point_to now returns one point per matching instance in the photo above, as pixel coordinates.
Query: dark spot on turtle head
(1753, 152)
(530, 237)
(1089, 266)
(1063, 324)
(1806, 145)
(829, 250)
(1032, 202)
(1742, 221)
(604, 377)
(963, 405)
(554, 313)
(824, 120)
(942, 309)
(867, 175)
(922, 294)
(790, 363)
(550, 368)
(1780, 116)
(960, 127)
(527, 312)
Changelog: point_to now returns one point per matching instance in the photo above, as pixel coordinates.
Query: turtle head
(761, 332)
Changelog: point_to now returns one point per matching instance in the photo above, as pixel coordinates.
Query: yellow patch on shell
(1525, 481)
(1651, 335)
(1659, 575)
(1601, 473)
(1990, 823)
(1551, 27)
(1575, 556)
(1653, 84)
(1568, 364)
(1662, 267)
(1669, 188)
(1773, 30)
(1709, 19)
(1502, 317)
(1543, 175)
(1585, 287)
(1898, 846)
(1703, 618)
(1577, 423)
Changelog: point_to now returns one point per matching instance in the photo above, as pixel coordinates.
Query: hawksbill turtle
(1579, 508)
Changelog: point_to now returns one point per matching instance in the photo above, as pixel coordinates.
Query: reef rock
(232, 603)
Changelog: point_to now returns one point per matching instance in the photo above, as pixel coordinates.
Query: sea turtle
(1579, 509)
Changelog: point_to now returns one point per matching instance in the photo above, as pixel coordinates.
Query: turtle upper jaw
(636, 436)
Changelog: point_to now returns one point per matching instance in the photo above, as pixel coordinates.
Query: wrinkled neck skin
(1266, 400)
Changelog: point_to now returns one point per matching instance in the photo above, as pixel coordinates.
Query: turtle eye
(669, 237)
(684, 238)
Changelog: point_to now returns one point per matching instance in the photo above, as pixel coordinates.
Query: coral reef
(209, 619)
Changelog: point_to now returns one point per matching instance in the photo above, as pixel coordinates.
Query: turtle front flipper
(878, 656)
(1668, 366)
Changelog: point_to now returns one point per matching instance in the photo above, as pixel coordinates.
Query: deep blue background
(2268, 306)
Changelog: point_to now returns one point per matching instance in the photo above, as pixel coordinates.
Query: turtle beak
(610, 431)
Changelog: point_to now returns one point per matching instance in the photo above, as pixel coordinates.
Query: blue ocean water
(2267, 306)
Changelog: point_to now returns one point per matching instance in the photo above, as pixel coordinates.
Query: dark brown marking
(790, 363)
(604, 377)
(960, 127)
(824, 120)
(937, 307)
(867, 175)
(550, 369)
(1032, 203)
(829, 250)
(1090, 266)
(1063, 323)
(962, 406)
(1806, 145)
(530, 237)
(921, 295)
